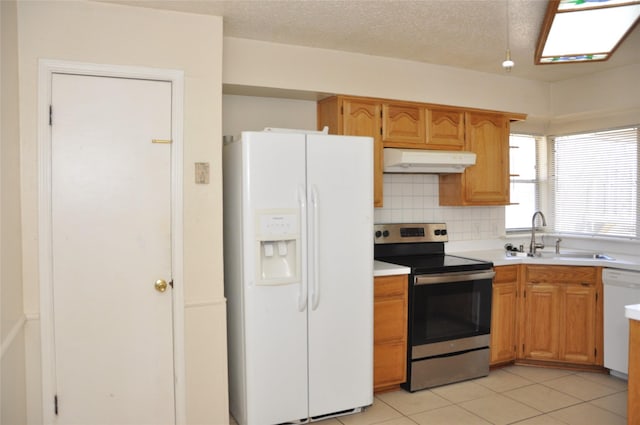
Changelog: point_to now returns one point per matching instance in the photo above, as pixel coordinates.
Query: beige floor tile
(536, 374)
(410, 403)
(462, 391)
(616, 403)
(330, 421)
(399, 421)
(500, 380)
(499, 410)
(587, 414)
(375, 414)
(449, 415)
(579, 387)
(605, 379)
(541, 420)
(542, 398)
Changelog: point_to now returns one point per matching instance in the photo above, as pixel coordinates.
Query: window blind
(595, 183)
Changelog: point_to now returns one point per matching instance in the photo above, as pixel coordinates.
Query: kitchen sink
(565, 255)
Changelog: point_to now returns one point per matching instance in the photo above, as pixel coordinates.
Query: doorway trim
(46, 69)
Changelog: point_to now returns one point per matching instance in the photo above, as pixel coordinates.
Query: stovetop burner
(420, 246)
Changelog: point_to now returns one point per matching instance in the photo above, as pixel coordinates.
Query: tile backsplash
(414, 198)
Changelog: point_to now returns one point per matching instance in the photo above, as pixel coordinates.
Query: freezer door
(275, 319)
(340, 193)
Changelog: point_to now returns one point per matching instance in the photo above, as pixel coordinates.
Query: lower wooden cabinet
(504, 315)
(562, 314)
(389, 332)
(547, 313)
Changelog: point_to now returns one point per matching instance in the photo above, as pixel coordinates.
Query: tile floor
(511, 395)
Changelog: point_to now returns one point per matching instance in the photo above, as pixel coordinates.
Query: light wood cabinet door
(445, 129)
(356, 117)
(486, 182)
(542, 321)
(504, 315)
(578, 322)
(403, 125)
(389, 332)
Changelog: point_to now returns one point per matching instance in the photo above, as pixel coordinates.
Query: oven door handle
(431, 279)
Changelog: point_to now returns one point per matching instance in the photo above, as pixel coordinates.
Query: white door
(111, 242)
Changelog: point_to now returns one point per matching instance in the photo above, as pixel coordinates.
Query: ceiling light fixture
(585, 30)
(508, 63)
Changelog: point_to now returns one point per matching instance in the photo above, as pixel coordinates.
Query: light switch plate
(202, 172)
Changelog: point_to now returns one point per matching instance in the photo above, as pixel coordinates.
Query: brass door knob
(161, 285)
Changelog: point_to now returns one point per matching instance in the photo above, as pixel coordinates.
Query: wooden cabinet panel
(356, 117)
(403, 125)
(578, 317)
(503, 322)
(388, 323)
(561, 274)
(445, 129)
(542, 321)
(390, 331)
(389, 365)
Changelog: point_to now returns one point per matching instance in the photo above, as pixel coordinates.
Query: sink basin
(565, 255)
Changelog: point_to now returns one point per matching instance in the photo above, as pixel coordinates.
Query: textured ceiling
(467, 34)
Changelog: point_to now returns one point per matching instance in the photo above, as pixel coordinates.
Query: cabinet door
(445, 129)
(578, 310)
(487, 182)
(503, 322)
(361, 117)
(403, 125)
(542, 321)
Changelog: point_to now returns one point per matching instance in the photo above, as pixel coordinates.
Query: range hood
(420, 161)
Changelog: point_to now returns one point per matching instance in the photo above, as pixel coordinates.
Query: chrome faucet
(535, 245)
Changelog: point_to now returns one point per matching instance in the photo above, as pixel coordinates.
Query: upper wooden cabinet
(486, 182)
(403, 125)
(355, 116)
(411, 125)
(445, 128)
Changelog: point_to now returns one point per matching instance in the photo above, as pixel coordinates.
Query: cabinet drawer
(389, 364)
(560, 274)
(506, 274)
(389, 320)
(390, 286)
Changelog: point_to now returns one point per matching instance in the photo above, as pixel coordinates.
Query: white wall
(12, 370)
(112, 34)
(602, 100)
(262, 64)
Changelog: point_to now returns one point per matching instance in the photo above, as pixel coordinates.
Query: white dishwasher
(621, 287)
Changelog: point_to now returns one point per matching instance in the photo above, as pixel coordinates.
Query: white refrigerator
(298, 247)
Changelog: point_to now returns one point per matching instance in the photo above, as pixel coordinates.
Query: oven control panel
(411, 232)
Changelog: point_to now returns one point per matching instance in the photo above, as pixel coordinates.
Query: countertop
(499, 258)
(381, 268)
(632, 311)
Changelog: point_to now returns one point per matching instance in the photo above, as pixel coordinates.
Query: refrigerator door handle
(302, 295)
(315, 295)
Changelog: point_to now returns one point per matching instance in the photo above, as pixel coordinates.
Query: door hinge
(171, 283)
(341, 110)
(596, 297)
(595, 352)
(50, 115)
(55, 404)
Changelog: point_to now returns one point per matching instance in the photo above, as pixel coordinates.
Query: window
(526, 158)
(595, 183)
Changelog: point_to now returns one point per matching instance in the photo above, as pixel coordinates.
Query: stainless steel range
(449, 304)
